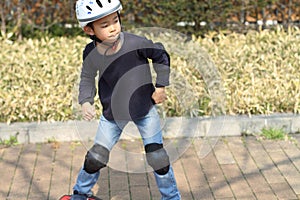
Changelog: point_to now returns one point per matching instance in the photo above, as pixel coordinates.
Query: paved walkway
(236, 168)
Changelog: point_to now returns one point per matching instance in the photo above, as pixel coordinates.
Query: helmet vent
(89, 8)
(99, 4)
(109, 1)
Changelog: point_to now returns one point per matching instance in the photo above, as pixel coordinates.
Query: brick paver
(23, 177)
(42, 173)
(8, 165)
(234, 168)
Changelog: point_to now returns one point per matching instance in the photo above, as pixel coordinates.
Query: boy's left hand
(159, 95)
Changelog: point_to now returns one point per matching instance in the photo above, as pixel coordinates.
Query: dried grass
(259, 74)
(260, 70)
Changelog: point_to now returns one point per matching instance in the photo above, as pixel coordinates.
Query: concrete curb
(173, 128)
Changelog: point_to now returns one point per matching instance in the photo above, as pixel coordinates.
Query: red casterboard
(68, 197)
(65, 197)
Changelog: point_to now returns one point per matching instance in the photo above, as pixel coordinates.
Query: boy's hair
(92, 26)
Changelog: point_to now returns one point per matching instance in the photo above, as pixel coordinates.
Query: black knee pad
(96, 158)
(157, 158)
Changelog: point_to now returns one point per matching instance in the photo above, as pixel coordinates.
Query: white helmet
(91, 10)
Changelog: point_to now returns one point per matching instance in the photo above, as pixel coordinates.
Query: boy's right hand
(88, 111)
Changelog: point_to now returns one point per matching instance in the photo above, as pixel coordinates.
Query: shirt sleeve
(161, 62)
(87, 87)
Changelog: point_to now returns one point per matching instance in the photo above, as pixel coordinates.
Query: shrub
(37, 78)
(260, 72)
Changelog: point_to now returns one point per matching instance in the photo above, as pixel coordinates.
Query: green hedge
(35, 18)
(260, 71)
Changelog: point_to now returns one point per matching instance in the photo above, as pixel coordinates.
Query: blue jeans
(108, 134)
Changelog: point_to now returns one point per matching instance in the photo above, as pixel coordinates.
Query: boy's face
(106, 29)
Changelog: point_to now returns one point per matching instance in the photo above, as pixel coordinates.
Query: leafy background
(260, 71)
(27, 18)
(41, 47)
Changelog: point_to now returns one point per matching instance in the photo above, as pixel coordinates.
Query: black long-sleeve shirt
(125, 82)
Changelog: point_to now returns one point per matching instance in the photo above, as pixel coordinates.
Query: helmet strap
(119, 16)
(95, 38)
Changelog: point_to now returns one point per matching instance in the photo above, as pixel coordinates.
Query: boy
(126, 93)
